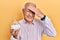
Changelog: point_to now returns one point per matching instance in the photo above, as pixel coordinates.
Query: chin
(29, 19)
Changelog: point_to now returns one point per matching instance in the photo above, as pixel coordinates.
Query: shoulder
(21, 21)
(37, 20)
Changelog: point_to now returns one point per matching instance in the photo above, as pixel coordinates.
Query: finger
(11, 31)
(31, 11)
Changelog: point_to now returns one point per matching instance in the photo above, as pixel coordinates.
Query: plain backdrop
(11, 10)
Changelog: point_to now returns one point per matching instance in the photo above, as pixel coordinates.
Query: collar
(33, 22)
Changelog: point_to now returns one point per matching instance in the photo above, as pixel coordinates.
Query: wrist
(15, 37)
(43, 18)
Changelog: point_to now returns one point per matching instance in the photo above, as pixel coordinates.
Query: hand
(36, 10)
(14, 33)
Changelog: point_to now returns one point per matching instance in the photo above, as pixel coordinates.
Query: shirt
(35, 30)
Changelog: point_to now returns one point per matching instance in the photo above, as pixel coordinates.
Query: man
(31, 28)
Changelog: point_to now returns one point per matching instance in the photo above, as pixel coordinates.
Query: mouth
(29, 17)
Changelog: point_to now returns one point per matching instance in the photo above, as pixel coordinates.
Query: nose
(30, 14)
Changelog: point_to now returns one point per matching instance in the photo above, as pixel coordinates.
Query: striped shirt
(35, 30)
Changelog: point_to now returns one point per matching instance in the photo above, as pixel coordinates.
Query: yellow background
(12, 9)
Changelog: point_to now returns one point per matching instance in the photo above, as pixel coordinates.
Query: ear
(23, 10)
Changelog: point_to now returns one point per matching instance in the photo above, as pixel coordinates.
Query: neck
(28, 21)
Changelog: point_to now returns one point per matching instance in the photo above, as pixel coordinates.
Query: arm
(48, 27)
(15, 28)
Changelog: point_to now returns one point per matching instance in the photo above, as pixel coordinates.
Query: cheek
(27, 14)
(32, 15)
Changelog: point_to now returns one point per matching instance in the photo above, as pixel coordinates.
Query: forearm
(48, 27)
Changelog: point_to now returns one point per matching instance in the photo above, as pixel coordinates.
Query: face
(28, 15)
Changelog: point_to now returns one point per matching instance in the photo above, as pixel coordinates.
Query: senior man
(31, 28)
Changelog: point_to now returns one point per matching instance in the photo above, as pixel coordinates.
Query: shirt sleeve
(48, 27)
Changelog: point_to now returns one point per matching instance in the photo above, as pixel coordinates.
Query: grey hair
(26, 3)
